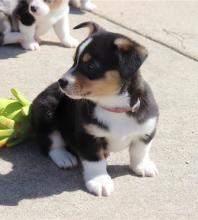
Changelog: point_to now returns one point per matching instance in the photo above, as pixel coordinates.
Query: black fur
(23, 14)
(52, 110)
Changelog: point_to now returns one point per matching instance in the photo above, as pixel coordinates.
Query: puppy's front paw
(63, 158)
(145, 168)
(30, 45)
(101, 185)
(88, 6)
(70, 42)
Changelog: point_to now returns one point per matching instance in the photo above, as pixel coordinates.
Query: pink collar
(134, 108)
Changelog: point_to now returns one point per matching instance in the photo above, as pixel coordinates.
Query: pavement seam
(189, 56)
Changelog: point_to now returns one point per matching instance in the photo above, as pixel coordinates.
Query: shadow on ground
(35, 176)
(11, 51)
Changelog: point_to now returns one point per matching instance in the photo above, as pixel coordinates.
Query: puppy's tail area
(93, 27)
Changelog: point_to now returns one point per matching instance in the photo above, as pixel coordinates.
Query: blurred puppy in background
(24, 21)
(83, 4)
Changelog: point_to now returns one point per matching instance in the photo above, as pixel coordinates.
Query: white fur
(68, 75)
(140, 161)
(97, 179)
(11, 37)
(83, 46)
(45, 19)
(61, 157)
(123, 130)
(112, 101)
(83, 4)
(42, 7)
(87, 5)
(29, 34)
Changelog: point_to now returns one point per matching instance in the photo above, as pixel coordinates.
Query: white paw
(63, 158)
(30, 45)
(70, 42)
(145, 168)
(101, 185)
(88, 6)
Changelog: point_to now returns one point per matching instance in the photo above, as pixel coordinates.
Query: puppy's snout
(63, 83)
(33, 8)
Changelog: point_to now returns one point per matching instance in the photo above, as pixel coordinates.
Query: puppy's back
(8, 6)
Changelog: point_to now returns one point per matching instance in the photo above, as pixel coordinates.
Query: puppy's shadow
(35, 176)
(11, 51)
(76, 11)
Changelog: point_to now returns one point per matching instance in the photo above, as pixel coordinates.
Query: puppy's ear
(93, 27)
(130, 54)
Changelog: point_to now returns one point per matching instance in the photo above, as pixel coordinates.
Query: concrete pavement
(32, 187)
(171, 23)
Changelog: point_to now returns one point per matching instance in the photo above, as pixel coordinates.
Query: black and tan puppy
(101, 104)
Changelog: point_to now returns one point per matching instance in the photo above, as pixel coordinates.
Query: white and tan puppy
(35, 18)
(48, 14)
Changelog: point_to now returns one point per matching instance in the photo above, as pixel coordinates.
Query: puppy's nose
(33, 8)
(62, 83)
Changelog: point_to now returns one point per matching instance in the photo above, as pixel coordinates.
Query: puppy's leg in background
(140, 161)
(87, 5)
(6, 36)
(96, 178)
(29, 32)
(62, 30)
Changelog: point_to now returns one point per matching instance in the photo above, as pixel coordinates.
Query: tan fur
(106, 86)
(123, 43)
(142, 51)
(56, 4)
(86, 57)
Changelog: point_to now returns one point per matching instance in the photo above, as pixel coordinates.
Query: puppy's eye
(91, 66)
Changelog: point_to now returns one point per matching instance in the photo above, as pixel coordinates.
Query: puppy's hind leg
(12, 38)
(62, 31)
(6, 36)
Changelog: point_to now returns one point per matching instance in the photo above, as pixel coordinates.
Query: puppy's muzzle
(33, 8)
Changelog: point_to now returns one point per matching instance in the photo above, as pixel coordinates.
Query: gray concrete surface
(32, 187)
(173, 23)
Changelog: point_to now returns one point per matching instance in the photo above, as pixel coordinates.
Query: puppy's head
(102, 64)
(43, 7)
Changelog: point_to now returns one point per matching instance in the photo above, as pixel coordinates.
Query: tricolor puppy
(24, 21)
(101, 104)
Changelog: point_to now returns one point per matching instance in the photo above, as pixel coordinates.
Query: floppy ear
(93, 27)
(131, 55)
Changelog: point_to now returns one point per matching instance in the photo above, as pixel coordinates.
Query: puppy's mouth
(75, 93)
(37, 11)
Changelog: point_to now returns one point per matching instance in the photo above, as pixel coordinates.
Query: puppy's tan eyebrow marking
(123, 43)
(86, 57)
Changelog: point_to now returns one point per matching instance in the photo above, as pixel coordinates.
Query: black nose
(33, 9)
(62, 83)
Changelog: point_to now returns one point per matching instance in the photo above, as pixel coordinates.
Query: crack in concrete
(189, 56)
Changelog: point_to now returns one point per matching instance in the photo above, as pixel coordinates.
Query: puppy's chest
(45, 23)
(122, 130)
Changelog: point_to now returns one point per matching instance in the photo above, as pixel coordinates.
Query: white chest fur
(123, 130)
(45, 23)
